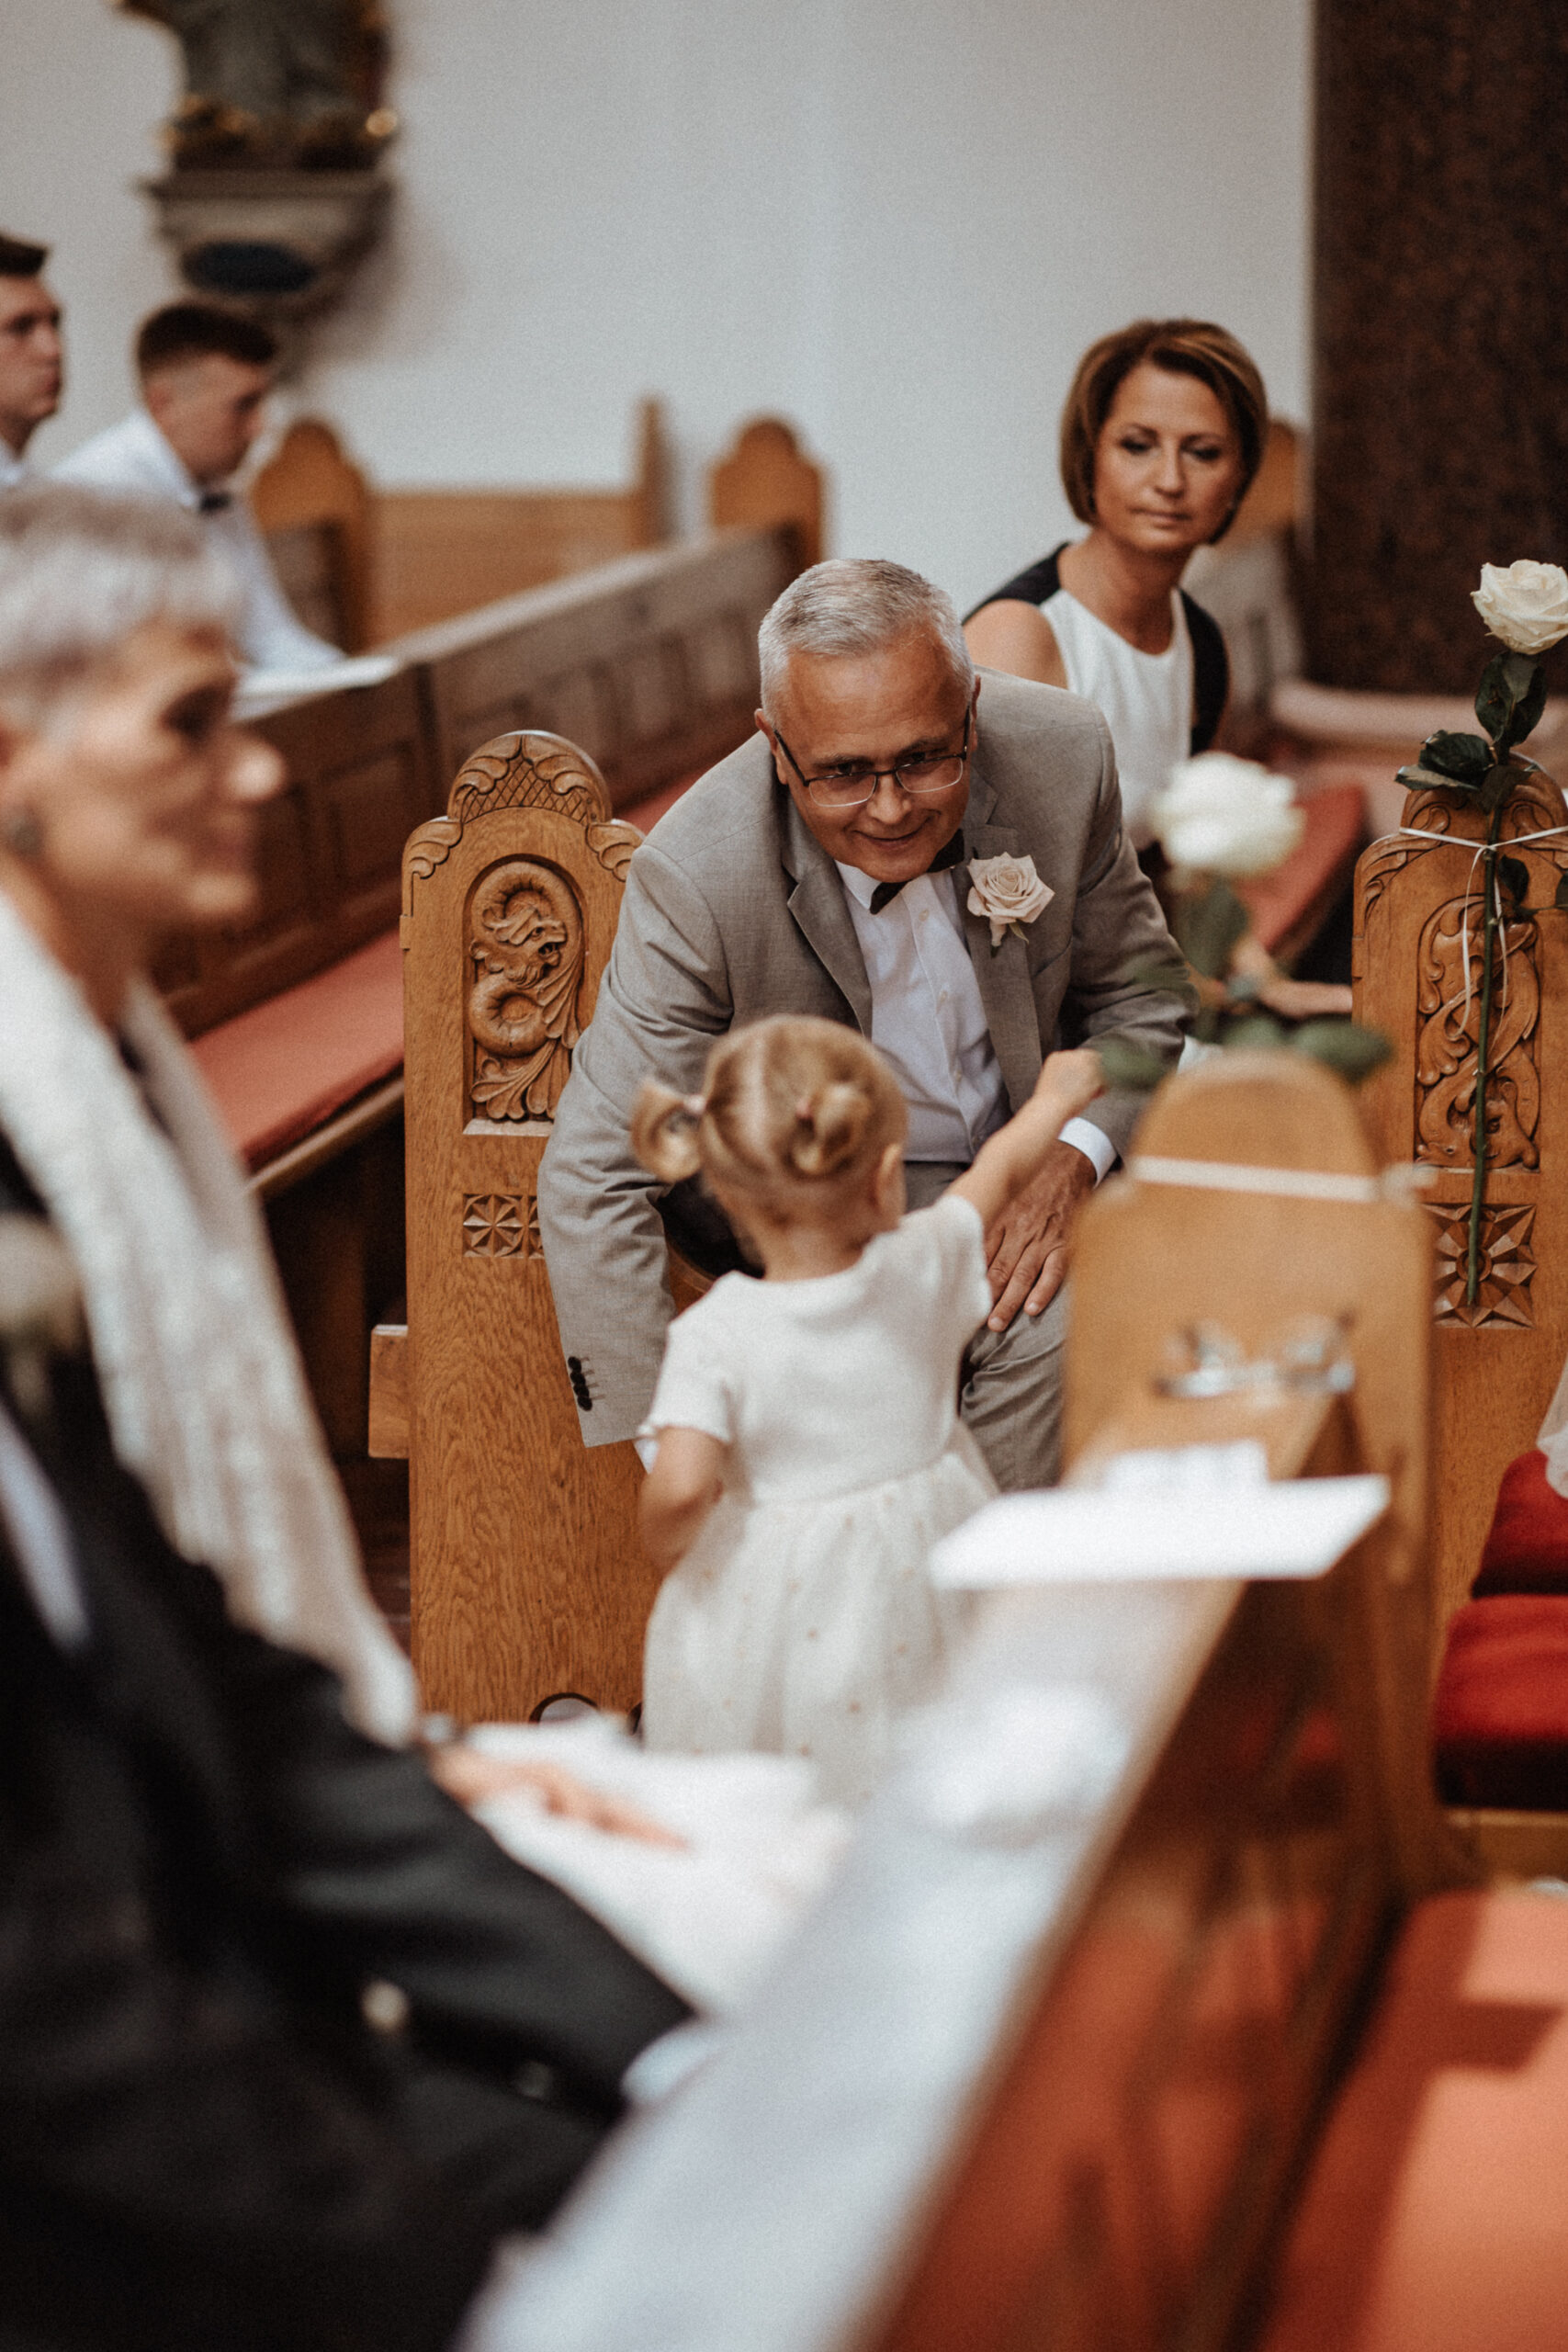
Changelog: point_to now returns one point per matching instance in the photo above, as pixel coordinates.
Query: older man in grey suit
(825, 867)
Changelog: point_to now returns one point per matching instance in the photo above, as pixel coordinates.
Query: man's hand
(1028, 1247)
(474, 1778)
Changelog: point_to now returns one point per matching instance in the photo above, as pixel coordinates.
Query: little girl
(809, 1449)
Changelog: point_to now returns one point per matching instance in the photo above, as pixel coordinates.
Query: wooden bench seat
(285, 1069)
(1434, 2218)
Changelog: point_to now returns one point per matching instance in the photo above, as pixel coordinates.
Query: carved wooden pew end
(526, 1576)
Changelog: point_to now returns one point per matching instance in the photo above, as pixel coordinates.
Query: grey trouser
(1011, 1397)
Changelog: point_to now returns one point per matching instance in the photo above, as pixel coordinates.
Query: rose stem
(1483, 1043)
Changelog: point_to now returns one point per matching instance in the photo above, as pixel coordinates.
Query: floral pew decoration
(1526, 607)
(1219, 822)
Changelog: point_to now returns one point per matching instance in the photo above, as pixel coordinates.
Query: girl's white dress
(802, 1620)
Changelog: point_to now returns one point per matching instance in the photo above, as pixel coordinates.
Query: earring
(21, 833)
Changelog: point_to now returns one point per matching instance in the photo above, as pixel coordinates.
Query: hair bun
(830, 1126)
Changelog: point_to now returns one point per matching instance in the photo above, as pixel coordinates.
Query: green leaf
(1345, 1045)
(1458, 759)
(1132, 1067)
(1514, 877)
(1256, 1033)
(1208, 925)
(1559, 898)
(1418, 779)
(1510, 698)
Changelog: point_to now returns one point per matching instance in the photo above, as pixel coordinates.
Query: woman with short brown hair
(1163, 430)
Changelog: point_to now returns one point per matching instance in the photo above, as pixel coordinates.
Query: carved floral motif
(1449, 1016)
(612, 846)
(1508, 1263)
(527, 946)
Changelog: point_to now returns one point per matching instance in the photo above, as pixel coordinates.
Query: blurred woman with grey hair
(287, 2042)
(127, 808)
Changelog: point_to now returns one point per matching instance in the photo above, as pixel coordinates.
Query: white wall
(897, 221)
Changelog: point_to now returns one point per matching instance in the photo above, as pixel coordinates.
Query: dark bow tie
(215, 501)
(950, 856)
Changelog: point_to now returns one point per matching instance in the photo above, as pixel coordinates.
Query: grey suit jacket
(733, 910)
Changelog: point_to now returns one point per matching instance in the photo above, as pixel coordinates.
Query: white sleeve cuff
(1094, 1144)
(646, 1448)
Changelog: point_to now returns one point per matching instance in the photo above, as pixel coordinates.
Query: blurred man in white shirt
(205, 375)
(32, 361)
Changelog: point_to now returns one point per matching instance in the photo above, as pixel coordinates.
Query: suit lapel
(817, 903)
(1005, 988)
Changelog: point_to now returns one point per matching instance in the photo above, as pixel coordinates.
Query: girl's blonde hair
(793, 1111)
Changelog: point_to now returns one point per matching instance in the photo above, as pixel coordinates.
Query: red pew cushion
(1527, 1549)
(281, 1069)
(1434, 2217)
(1500, 1714)
(1335, 827)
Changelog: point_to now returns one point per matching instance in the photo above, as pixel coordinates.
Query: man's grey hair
(80, 571)
(856, 604)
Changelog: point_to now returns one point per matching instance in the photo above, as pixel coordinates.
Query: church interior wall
(896, 222)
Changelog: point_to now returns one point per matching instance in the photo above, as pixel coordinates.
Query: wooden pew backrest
(649, 664)
(526, 1580)
(313, 507)
(1497, 1361)
(765, 482)
(330, 861)
(1130, 2157)
(441, 553)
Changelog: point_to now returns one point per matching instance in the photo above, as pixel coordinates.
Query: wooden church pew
(1193, 2043)
(526, 1580)
(438, 553)
(1497, 1361)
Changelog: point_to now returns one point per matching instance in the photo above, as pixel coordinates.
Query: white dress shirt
(134, 456)
(929, 1022)
(14, 470)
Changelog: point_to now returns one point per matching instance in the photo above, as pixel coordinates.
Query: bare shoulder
(1012, 636)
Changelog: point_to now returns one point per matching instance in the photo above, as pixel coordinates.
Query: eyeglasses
(921, 778)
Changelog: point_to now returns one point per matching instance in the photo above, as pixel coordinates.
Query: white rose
(1221, 815)
(1527, 605)
(1007, 892)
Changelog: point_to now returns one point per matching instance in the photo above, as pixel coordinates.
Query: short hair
(1182, 347)
(794, 1113)
(81, 570)
(19, 257)
(856, 604)
(197, 331)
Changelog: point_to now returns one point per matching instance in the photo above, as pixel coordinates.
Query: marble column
(1440, 419)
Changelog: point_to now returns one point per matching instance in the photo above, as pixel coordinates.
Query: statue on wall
(286, 85)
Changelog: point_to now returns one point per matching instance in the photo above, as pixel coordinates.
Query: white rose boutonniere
(1221, 815)
(1526, 606)
(1007, 892)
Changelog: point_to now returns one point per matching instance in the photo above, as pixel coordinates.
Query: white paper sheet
(1297, 1527)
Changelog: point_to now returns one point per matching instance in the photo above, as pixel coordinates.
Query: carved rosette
(1507, 1264)
(526, 947)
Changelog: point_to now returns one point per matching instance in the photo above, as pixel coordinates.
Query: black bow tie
(215, 501)
(951, 855)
